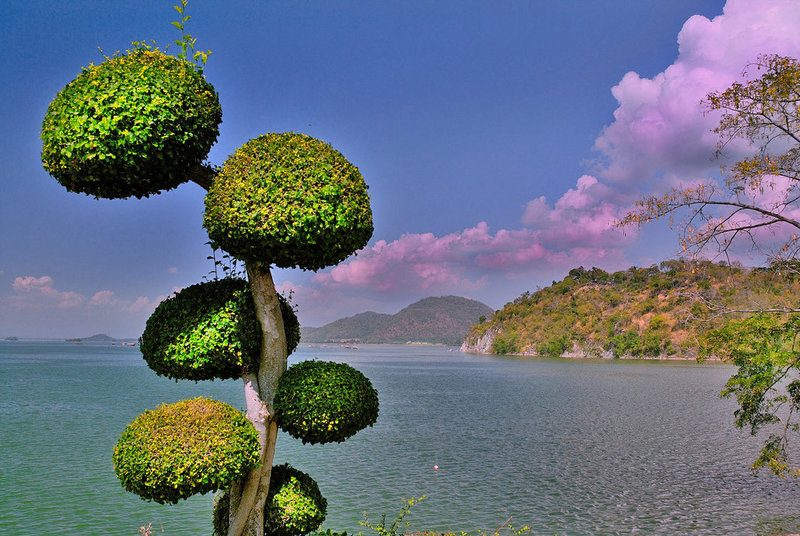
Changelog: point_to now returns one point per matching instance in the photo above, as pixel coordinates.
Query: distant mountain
(353, 328)
(442, 320)
(100, 337)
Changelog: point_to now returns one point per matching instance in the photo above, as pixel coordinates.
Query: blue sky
(499, 140)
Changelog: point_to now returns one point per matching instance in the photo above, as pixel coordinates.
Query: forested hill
(641, 312)
(442, 320)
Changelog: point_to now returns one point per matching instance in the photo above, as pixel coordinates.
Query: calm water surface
(565, 447)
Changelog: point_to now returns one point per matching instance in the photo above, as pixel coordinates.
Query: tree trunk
(248, 499)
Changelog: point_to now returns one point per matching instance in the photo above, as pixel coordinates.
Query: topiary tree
(143, 122)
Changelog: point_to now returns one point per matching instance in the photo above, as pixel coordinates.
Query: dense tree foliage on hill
(660, 311)
(441, 320)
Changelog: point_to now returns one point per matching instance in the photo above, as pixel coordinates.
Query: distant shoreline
(133, 343)
(671, 359)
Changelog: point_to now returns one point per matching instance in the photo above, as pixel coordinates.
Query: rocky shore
(483, 345)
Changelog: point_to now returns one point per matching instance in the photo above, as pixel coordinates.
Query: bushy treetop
(132, 126)
(324, 401)
(210, 330)
(289, 200)
(178, 450)
(294, 505)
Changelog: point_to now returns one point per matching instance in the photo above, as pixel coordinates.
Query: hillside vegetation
(442, 320)
(656, 312)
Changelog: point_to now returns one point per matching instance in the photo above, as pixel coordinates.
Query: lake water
(565, 447)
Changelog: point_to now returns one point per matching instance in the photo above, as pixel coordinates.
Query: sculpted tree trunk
(247, 501)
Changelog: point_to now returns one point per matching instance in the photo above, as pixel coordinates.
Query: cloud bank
(38, 303)
(41, 290)
(577, 228)
(32, 293)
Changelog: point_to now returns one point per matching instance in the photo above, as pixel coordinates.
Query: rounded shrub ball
(178, 450)
(132, 126)
(289, 200)
(294, 505)
(209, 330)
(323, 401)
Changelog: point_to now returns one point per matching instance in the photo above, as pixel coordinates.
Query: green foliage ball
(289, 200)
(209, 330)
(294, 505)
(178, 450)
(323, 401)
(132, 126)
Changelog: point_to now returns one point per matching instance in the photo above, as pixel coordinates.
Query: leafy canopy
(289, 200)
(210, 330)
(766, 385)
(181, 449)
(135, 125)
(324, 401)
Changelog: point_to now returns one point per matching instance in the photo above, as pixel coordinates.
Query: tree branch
(203, 175)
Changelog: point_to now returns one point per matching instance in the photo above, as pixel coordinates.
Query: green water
(566, 447)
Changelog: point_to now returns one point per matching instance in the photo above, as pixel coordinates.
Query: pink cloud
(43, 286)
(659, 128)
(421, 262)
(141, 303)
(578, 228)
(37, 293)
(103, 298)
(659, 139)
(583, 217)
(513, 257)
(70, 299)
(30, 283)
